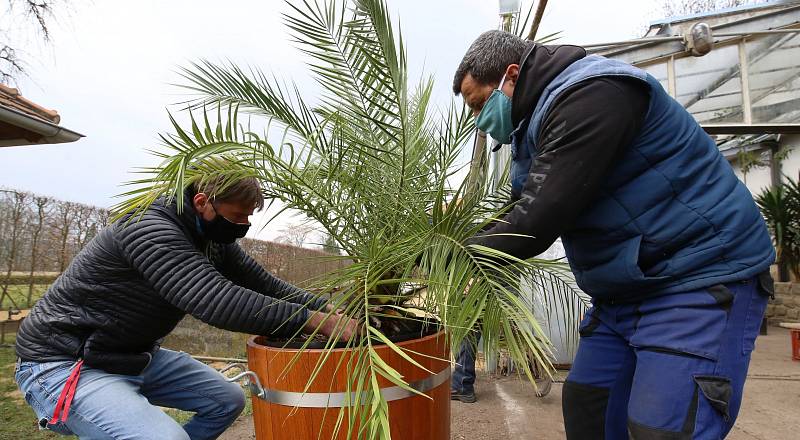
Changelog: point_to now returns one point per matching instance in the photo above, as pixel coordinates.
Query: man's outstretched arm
(185, 278)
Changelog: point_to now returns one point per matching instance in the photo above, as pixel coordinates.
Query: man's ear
(512, 73)
(200, 202)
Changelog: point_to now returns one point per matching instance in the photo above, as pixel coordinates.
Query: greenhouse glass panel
(774, 77)
(710, 87)
(659, 72)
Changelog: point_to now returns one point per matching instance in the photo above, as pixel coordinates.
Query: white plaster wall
(791, 165)
(757, 179)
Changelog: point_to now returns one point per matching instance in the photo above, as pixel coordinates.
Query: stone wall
(786, 305)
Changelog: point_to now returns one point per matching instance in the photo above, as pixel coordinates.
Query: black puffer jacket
(134, 282)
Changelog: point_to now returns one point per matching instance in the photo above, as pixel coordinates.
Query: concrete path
(771, 406)
(508, 409)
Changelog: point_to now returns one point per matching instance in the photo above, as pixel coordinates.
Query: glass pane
(774, 78)
(659, 72)
(710, 86)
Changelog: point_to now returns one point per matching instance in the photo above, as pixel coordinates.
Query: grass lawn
(19, 293)
(18, 421)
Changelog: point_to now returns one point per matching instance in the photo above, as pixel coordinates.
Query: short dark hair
(489, 56)
(245, 191)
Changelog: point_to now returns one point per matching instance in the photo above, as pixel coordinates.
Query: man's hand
(335, 325)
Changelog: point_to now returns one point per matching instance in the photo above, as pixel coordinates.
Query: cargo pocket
(638, 431)
(717, 391)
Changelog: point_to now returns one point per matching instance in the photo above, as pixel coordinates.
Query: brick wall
(293, 264)
(786, 305)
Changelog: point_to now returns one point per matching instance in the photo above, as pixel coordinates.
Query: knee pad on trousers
(584, 408)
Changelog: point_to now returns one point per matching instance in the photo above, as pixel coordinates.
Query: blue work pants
(669, 367)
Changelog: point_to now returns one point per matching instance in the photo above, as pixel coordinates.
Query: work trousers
(670, 367)
(463, 380)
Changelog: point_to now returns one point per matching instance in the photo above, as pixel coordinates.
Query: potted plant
(375, 166)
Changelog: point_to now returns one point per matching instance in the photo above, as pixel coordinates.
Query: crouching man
(89, 357)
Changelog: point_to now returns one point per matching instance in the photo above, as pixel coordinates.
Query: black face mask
(220, 229)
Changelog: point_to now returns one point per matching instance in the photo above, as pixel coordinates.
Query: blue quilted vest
(671, 216)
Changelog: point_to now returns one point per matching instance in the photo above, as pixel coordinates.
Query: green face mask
(495, 117)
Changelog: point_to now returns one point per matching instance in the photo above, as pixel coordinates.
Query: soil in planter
(396, 329)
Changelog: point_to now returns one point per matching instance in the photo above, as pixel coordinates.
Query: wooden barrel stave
(414, 418)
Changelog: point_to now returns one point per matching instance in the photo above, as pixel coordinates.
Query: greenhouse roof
(747, 84)
(719, 13)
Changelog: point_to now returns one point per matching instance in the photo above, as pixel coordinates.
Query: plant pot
(284, 411)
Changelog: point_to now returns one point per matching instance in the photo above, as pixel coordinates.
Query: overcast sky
(109, 67)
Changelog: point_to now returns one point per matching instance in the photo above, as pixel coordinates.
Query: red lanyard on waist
(67, 394)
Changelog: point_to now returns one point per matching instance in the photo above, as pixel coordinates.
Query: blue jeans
(668, 367)
(110, 406)
(463, 380)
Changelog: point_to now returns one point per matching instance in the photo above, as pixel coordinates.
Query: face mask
(220, 229)
(495, 117)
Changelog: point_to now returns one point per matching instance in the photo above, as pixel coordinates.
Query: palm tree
(371, 163)
(780, 206)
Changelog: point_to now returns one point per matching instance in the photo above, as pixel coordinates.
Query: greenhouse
(743, 85)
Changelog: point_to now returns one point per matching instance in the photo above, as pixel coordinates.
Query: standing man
(656, 227)
(462, 384)
(89, 357)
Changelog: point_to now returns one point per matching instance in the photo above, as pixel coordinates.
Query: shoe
(463, 397)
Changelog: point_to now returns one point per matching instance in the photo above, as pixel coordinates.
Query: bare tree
(11, 66)
(41, 213)
(26, 15)
(85, 225)
(62, 228)
(102, 217)
(678, 8)
(295, 234)
(17, 209)
(5, 221)
(330, 245)
(675, 8)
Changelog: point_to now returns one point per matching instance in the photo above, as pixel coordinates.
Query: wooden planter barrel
(284, 412)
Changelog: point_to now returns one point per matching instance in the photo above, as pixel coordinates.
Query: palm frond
(370, 162)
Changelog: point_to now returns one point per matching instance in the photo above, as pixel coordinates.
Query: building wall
(785, 307)
(791, 165)
(758, 179)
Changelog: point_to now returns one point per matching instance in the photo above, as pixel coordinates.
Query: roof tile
(11, 98)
